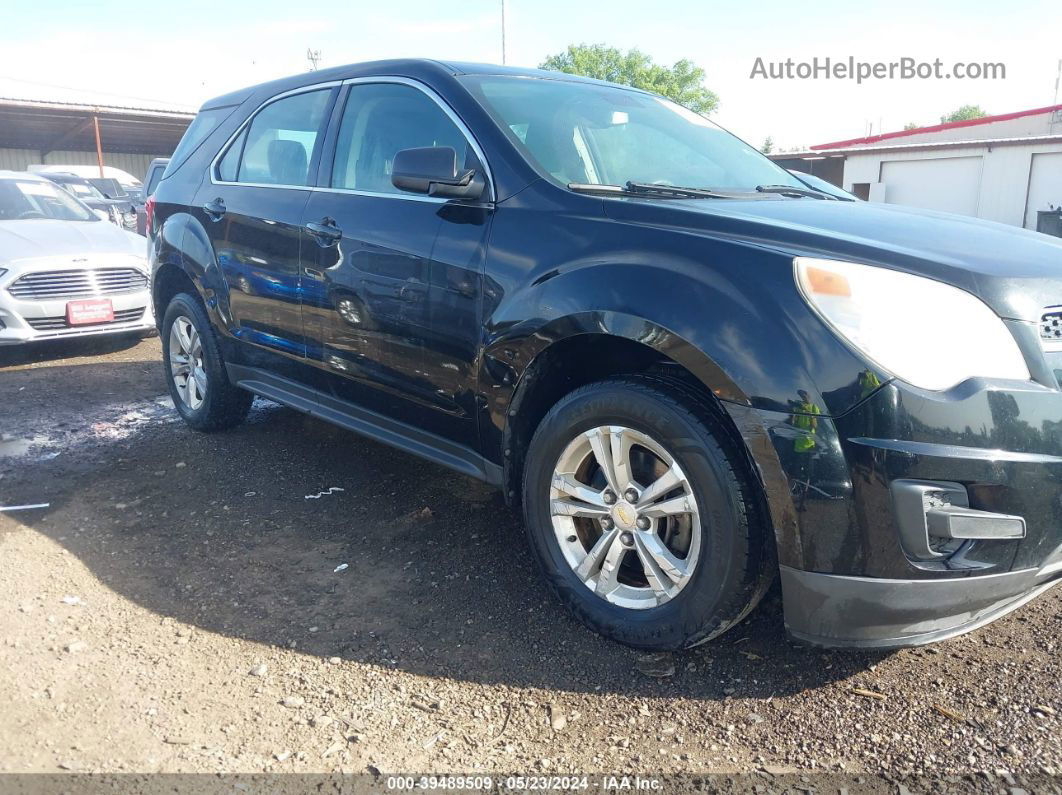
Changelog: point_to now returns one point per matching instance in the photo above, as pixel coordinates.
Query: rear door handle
(215, 209)
(325, 233)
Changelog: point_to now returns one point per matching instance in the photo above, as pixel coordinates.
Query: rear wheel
(195, 372)
(640, 518)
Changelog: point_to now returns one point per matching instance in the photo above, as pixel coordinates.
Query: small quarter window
(228, 168)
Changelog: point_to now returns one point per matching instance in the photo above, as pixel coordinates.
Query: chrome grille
(59, 322)
(78, 283)
(1051, 324)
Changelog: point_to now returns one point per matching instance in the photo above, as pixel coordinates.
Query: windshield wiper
(793, 190)
(675, 190)
(649, 189)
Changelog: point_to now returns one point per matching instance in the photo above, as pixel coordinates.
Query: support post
(99, 144)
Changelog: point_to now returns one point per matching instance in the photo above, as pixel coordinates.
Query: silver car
(63, 271)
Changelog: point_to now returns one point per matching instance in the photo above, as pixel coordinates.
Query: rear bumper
(869, 612)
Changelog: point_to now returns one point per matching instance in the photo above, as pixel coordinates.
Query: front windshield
(27, 200)
(603, 135)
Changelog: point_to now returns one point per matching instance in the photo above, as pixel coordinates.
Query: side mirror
(433, 170)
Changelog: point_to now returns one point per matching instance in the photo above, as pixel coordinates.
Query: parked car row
(116, 193)
(115, 210)
(64, 271)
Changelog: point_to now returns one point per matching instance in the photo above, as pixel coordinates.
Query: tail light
(149, 215)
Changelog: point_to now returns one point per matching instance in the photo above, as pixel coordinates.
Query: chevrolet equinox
(694, 371)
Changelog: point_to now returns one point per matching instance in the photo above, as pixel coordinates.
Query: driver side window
(379, 120)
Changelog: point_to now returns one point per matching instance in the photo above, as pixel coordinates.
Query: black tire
(736, 563)
(224, 405)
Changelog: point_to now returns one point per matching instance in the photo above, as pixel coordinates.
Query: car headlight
(924, 332)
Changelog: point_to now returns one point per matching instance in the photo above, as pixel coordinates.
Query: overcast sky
(179, 54)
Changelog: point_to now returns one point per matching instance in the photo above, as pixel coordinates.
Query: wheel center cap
(623, 514)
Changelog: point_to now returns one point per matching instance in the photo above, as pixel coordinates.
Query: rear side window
(379, 120)
(205, 122)
(278, 146)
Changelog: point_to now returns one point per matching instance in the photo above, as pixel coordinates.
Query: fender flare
(748, 432)
(183, 243)
(664, 341)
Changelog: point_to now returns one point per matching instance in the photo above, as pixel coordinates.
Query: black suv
(695, 371)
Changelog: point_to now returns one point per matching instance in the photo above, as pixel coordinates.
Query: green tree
(912, 125)
(965, 113)
(768, 145)
(683, 82)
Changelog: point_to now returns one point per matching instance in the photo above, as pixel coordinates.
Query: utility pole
(503, 34)
(314, 57)
(1058, 77)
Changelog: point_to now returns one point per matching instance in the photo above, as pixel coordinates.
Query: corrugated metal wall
(19, 159)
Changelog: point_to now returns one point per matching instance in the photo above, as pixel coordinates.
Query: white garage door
(1045, 185)
(949, 184)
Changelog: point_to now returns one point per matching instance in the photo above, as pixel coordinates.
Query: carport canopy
(55, 126)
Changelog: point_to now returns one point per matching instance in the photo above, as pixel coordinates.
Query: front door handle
(215, 209)
(326, 233)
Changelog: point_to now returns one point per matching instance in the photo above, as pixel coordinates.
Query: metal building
(1005, 168)
(52, 133)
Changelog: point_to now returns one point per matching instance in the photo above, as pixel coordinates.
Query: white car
(63, 271)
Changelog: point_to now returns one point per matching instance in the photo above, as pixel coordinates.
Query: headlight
(924, 332)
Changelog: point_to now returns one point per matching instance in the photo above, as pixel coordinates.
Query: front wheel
(641, 517)
(195, 372)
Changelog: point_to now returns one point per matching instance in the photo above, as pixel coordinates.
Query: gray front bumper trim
(869, 612)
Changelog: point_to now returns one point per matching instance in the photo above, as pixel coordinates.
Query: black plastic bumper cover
(870, 612)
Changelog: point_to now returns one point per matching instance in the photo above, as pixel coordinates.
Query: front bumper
(848, 578)
(870, 612)
(23, 321)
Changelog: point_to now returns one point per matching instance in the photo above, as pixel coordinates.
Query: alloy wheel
(186, 362)
(625, 517)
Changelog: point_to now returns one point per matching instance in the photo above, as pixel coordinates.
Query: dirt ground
(184, 605)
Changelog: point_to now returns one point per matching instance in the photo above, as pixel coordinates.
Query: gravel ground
(183, 606)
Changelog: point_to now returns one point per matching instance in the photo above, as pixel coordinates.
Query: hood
(1015, 271)
(37, 238)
